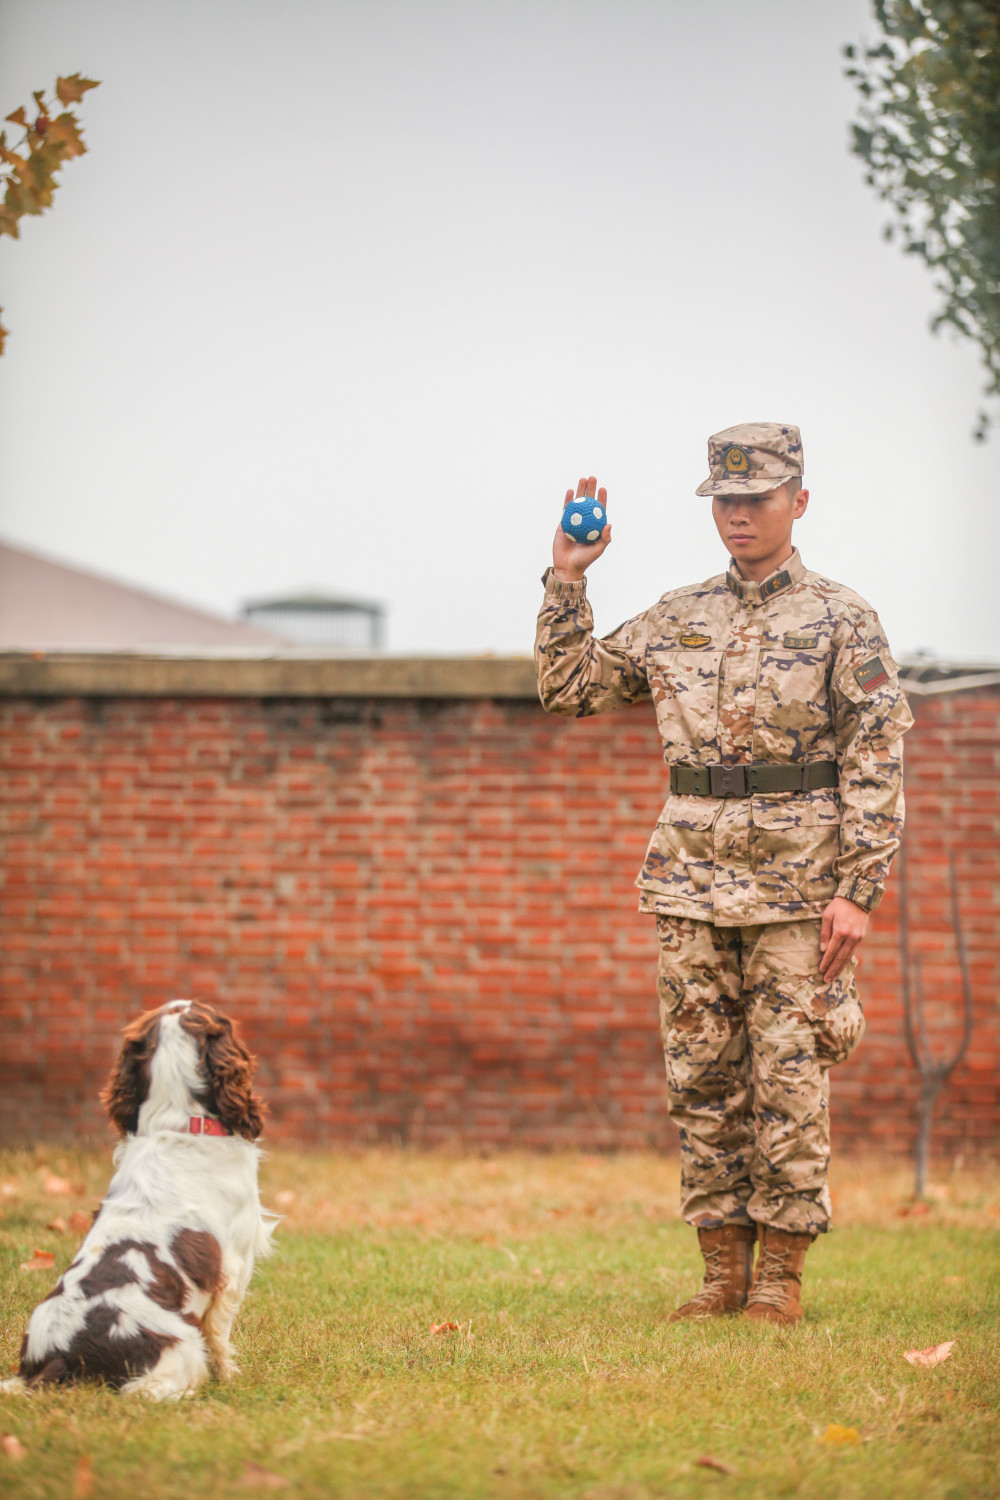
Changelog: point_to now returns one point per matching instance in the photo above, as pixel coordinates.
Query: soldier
(782, 719)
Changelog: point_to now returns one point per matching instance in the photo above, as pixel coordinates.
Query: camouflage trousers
(750, 1029)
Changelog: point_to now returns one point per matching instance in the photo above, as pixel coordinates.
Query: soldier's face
(757, 528)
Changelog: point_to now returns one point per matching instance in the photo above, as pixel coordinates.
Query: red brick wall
(422, 912)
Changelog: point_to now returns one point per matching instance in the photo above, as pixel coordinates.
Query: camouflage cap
(752, 459)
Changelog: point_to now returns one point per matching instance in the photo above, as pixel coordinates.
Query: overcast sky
(348, 292)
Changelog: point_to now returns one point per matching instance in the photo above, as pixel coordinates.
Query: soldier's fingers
(602, 496)
(569, 497)
(581, 489)
(828, 965)
(592, 487)
(846, 954)
(825, 929)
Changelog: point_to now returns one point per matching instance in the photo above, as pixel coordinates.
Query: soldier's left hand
(842, 928)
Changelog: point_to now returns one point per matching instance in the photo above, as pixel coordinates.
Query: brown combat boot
(777, 1284)
(728, 1253)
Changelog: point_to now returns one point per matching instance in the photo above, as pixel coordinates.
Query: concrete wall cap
(114, 674)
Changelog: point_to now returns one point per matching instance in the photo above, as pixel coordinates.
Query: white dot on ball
(598, 512)
(592, 536)
(576, 519)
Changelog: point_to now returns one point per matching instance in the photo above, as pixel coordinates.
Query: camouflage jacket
(789, 670)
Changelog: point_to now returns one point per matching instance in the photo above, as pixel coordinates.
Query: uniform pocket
(795, 841)
(680, 859)
(685, 689)
(834, 1013)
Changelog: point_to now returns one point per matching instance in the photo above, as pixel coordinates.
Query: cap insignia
(736, 460)
(694, 638)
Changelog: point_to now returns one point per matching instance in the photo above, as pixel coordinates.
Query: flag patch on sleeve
(871, 675)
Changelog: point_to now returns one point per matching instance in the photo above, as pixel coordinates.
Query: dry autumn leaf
(709, 1461)
(444, 1328)
(42, 1260)
(10, 1447)
(72, 89)
(913, 1210)
(83, 1478)
(837, 1434)
(79, 1220)
(256, 1474)
(57, 1187)
(928, 1358)
(57, 1225)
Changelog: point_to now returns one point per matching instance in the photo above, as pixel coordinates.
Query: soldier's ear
(801, 501)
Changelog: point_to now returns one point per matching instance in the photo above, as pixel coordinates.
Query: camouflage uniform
(791, 671)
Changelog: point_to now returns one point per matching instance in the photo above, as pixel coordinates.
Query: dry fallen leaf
(837, 1434)
(79, 1220)
(57, 1225)
(709, 1461)
(928, 1358)
(256, 1474)
(42, 1260)
(444, 1328)
(57, 1187)
(913, 1210)
(10, 1447)
(83, 1478)
(954, 1281)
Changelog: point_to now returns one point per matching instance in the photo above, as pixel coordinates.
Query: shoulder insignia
(801, 642)
(872, 675)
(731, 584)
(694, 638)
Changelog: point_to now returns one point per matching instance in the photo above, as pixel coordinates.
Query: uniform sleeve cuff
(864, 893)
(559, 588)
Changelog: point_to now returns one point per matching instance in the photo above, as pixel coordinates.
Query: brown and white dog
(149, 1301)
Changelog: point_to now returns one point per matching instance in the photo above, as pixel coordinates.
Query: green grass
(562, 1379)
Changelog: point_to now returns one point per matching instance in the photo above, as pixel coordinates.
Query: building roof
(924, 676)
(48, 605)
(313, 599)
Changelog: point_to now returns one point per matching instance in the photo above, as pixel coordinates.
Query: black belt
(746, 781)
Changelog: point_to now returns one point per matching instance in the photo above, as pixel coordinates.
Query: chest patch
(801, 642)
(693, 638)
(871, 675)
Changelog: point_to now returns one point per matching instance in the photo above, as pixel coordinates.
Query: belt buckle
(728, 781)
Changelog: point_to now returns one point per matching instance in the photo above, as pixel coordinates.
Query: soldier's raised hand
(571, 559)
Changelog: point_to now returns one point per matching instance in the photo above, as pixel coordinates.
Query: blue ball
(584, 520)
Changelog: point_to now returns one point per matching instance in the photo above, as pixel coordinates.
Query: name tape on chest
(871, 675)
(694, 638)
(801, 642)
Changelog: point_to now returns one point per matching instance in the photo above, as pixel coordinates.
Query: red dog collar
(202, 1125)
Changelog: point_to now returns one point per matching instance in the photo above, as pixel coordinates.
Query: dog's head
(224, 1067)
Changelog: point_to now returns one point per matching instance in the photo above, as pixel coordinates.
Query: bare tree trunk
(933, 1071)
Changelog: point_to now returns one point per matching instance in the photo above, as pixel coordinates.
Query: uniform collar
(774, 583)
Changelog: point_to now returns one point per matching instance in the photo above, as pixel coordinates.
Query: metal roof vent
(314, 618)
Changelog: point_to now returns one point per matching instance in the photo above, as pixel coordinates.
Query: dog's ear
(126, 1089)
(229, 1071)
